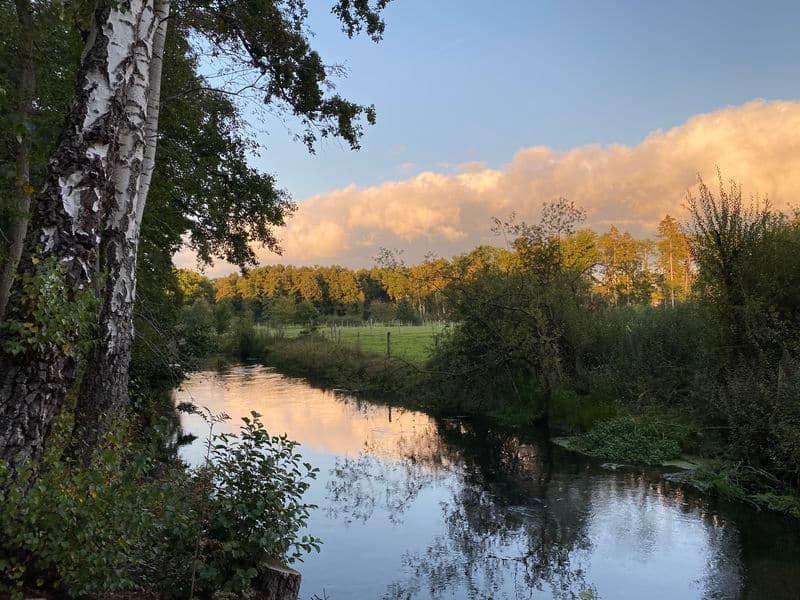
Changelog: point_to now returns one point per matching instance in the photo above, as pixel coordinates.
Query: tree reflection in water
(383, 477)
(413, 507)
(514, 526)
(507, 526)
(358, 485)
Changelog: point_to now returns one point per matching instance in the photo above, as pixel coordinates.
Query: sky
(485, 108)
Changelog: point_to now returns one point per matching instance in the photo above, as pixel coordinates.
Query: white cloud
(757, 143)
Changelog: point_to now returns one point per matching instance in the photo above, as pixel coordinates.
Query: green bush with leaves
(629, 440)
(256, 482)
(133, 524)
(198, 329)
(58, 318)
(119, 525)
(244, 341)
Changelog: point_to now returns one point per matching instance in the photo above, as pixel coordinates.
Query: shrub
(382, 312)
(113, 527)
(642, 352)
(244, 341)
(761, 402)
(198, 329)
(256, 482)
(629, 440)
(131, 524)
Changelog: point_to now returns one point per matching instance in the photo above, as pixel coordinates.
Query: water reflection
(411, 507)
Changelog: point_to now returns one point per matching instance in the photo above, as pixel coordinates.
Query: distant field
(412, 342)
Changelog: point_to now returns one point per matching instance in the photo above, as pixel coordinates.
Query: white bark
(104, 84)
(80, 184)
(162, 8)
(105, 389)
(121, 227)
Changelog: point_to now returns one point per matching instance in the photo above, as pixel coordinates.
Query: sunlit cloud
(633, 187)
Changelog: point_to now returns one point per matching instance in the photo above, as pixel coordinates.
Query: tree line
(619, 268)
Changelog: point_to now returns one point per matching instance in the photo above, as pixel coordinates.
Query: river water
(416, 507)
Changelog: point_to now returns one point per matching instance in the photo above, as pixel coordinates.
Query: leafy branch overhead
(269, 43)
(199, 187)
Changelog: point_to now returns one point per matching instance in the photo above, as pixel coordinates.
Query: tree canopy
(200, 191)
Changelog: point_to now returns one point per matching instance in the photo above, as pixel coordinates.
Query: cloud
(633, 187)
(312, 240)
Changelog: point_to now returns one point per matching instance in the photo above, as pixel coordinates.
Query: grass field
(412, 342)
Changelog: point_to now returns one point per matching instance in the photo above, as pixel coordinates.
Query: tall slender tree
(88, 221)
(673, 249)
(40, 349)
(105, 386)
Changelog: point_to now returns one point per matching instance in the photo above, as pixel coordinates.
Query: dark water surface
(414, 507)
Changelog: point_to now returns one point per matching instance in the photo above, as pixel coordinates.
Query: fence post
(388, 344)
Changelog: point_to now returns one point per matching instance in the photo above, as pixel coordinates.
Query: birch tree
(105, 386)
(84, 240)
(270, 40)
(41, 338)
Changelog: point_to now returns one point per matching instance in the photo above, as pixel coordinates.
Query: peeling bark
(67, 223)
(104, 390)
(162, 8)
(26, 82)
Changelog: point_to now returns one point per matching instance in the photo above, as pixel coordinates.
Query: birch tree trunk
(66, 229)
(26, 82)
(104, 388)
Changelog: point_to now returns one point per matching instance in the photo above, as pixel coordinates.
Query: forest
(620, 269)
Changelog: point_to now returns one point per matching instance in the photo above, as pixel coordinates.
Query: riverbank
(589, 423)
(417, 383)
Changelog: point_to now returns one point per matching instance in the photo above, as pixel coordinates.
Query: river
(416, 507)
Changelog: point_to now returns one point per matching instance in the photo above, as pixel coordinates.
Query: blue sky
(462, 81)
(614, 105)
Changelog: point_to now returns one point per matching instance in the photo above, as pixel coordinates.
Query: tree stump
(277, 582)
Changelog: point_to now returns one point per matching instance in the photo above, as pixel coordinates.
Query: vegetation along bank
(634, 351)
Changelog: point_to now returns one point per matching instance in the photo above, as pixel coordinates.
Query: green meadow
(414, 343)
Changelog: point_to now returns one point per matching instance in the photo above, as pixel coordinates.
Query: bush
(116, 526)
(244, 341)
(646, 354)
(198, 329)
(130, 524)
(628, 440)
(382, 312)
(406, 313)
(761, 402)
(256, 482)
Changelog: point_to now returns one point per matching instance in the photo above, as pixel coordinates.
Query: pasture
(410, 342)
